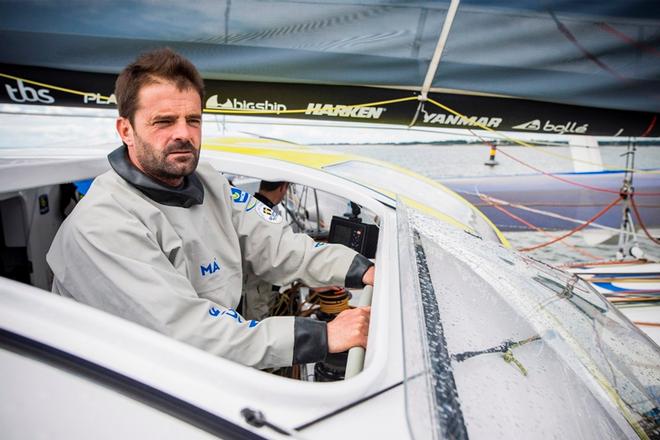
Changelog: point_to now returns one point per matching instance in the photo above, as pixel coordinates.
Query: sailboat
(468, 338)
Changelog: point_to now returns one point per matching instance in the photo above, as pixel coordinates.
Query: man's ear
(125, 130)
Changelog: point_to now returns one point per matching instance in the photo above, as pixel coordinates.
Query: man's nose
(183, 130)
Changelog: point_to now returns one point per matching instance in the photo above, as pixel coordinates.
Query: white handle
(355, 362)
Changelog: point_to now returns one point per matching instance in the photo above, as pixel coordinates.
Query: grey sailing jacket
(171, 260)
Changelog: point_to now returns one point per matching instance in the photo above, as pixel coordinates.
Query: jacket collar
(263, 199)
(190, 193)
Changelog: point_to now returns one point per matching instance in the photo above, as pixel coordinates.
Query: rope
(528, 145)
(573, 231)
(541, 230)
(505, 348)
(641, 223)
(641, 46)
(50, 86)
(369, 104)
(561, 179)
(509, 358)
(570, 37)
(333, 301)
(626, 262)
(540, 211)
(650, 324)
(572, 182)
(279, 112)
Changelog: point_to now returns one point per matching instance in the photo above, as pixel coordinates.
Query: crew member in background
(259, 295)
(271, 194)
(162, 242)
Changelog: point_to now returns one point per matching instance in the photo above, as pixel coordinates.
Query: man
(271, 194)
(258, 296)
(160, 241)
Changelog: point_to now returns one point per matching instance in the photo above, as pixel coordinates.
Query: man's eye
(162, 121)
(194, 122)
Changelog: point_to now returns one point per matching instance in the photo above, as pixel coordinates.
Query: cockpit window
(392, 182)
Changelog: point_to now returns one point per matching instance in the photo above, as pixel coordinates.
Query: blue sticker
(251, 204)
(238, 196)
(318, 244)
(217, 313)
(83, 186)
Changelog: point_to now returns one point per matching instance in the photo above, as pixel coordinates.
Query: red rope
(603, 263)
(561, 179)
(541, 230)
(574, 230)
(627, 39)
(571, 182)
(650, 127)
(570, 37)
(641, 223)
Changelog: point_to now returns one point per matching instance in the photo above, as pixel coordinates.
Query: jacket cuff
(310, 340)
(356, 271)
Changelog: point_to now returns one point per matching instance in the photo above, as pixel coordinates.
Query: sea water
(450, 161)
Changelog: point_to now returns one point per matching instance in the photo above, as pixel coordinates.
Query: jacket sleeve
(277, 255)
(126, 273)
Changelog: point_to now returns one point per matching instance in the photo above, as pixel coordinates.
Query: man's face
(165, 138)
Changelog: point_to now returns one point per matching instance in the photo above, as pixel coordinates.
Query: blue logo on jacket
(216, 312)
(210, 268)
(239, 196)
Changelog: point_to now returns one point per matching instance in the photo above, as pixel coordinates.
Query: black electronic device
(361, 237)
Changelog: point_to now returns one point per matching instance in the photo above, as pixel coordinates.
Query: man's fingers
(368, 277)
(349, 329)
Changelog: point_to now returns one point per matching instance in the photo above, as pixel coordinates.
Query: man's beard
(157, 164)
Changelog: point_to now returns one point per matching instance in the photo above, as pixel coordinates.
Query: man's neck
(264, 199)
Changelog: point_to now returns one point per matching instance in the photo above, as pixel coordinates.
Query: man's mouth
(184, 148)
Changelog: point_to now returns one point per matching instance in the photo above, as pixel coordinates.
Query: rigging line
(650, 127)
(337, 107)
(562, 179)
(574, 230)
(50, 86)
(641, 223)
(639, 45)
(61, 115)
(275, 112)
(525, 144)
(539, 143)
(570, 37)
(586, 264)
(649, 324)
(572, 182)
(349, 406)
(544, 232)
(502, 348)
(490, 200)
(369, 104)
(439, 48)
(530, 207)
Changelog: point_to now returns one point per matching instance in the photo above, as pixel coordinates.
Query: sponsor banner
(43, 86)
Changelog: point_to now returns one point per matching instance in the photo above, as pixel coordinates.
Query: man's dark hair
(149, 68)
(269, 186)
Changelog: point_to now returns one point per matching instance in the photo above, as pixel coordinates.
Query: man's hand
(368, 277)
(349, 329)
